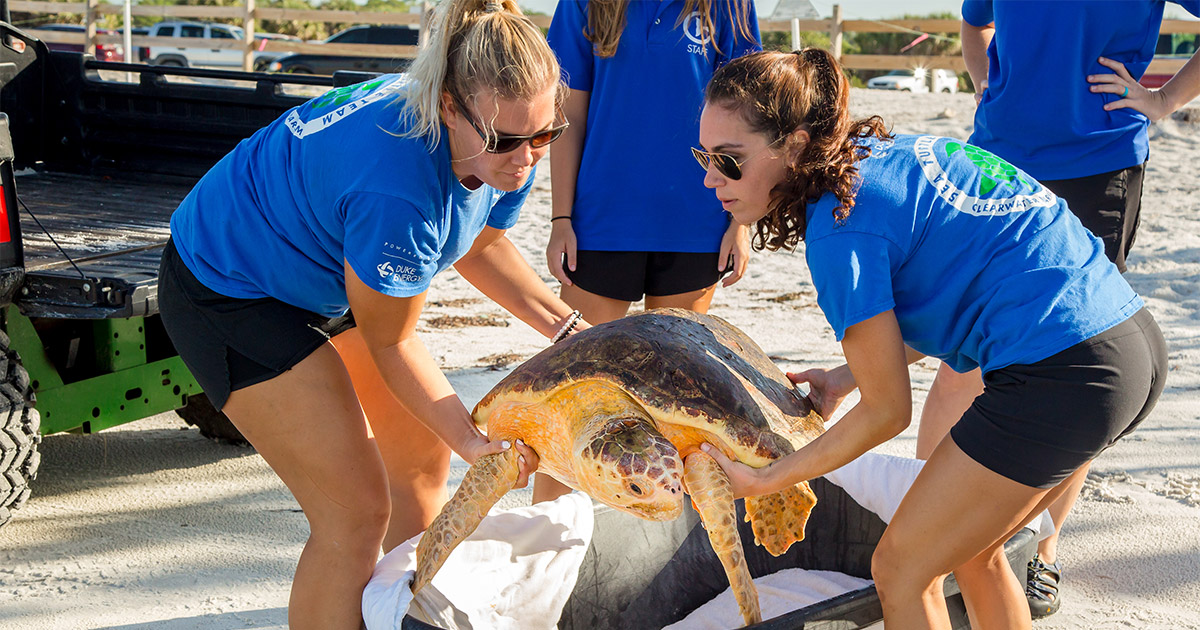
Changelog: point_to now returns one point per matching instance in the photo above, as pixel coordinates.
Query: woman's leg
(949, 397)
(697, 301)
(308, 425)
(596, 309)
(417, 461)
(942, 525)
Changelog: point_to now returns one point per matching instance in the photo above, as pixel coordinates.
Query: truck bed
(113, 230)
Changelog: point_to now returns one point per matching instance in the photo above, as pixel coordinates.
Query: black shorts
(1108, 204)
(1036, 424)
(230, 343)
(627, 276)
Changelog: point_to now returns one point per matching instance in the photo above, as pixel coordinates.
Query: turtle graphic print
(976, 181)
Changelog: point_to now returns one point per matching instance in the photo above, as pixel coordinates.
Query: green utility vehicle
(90, 171)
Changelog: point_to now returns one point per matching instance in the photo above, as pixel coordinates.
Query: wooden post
(89, 21)
(423, 35)
(248, 23)
(796, 43)
(835, 32)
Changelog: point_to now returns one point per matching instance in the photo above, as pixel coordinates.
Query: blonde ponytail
(476, 45)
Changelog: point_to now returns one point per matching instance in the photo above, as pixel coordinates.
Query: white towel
(778, 593)
(515, 571)
(879, 482)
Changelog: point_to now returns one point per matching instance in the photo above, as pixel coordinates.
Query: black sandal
(1041, 588)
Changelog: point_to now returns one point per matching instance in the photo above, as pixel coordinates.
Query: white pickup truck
(193, 54)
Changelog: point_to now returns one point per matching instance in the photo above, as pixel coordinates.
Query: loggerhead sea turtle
(619, 411)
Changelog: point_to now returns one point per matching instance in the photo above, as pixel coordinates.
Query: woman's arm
(878, 359)
(975, 41)
(496, 267)
(1155, 104)
(565, 155)
(388, 326)
(735, 252)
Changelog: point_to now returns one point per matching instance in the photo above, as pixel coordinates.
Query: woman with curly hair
(925, 246)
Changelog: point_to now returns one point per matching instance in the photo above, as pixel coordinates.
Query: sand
(152, 526)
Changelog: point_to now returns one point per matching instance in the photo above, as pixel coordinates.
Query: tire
(171, 63)
(20, 432)
(213, 424)
(299, 70)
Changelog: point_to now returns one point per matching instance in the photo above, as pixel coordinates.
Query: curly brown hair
(778, 93)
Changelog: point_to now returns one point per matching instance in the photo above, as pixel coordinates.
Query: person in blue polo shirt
(1064, 105)
(628, 219)
(357, 200)
(926, 246)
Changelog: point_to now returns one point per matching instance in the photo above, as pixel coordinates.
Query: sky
(859, 9)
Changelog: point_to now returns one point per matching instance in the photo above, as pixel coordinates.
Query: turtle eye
(635, 489)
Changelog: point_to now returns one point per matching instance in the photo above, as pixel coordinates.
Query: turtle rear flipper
(488, 479)
(713, 498)
(778, 519)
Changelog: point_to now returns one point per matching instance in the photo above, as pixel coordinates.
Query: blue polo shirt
(982, 265)
(638, 188)
(330, 182)
(1038, 111)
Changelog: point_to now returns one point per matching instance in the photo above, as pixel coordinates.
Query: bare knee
(355, 522)
(898, 573)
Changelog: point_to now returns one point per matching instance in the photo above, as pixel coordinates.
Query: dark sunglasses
(500, 143)
(725, 164)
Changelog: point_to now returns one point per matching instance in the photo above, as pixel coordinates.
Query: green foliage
(782, 40)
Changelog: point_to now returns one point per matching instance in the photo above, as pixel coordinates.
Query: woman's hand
(735, 252)
(1152, 103)
(562, 243)
(827, 388)
(527, 458)
(744, 480)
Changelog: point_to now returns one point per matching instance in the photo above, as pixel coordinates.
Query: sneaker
(1041, 589)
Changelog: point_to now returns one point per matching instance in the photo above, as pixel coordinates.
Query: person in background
(919, 245)
(628, 219)
(357, 200)
(1086, 140)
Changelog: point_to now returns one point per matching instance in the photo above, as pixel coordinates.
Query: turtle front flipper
(778, 519)
(713, 497)
(488, 479)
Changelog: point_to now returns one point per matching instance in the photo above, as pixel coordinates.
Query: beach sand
(150, 526)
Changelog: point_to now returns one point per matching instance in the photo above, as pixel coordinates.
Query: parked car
(1170, 46)
(311, 63)
(264, 57)
(197, 55)
(104, 52)
(917, 80)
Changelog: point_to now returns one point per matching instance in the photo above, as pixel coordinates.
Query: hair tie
(492, 6)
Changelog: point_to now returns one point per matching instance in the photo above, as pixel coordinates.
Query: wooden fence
(250, 14)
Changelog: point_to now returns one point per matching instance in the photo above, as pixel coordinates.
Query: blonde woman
(357, 200)
(630, 219)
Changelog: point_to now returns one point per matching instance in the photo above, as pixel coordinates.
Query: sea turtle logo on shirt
(976, 181)
(694, 29)
(335, 105)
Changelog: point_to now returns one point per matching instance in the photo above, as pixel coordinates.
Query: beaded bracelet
(567, 327)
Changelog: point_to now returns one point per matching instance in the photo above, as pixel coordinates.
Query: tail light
(143, 53)
(4, 234)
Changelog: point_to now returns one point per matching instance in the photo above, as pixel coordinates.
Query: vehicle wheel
(300, 70)
(172, 63)
(19, 432)
(945, 90)
(213, 424)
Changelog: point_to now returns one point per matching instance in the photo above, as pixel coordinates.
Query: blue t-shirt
(1038, 111)
(639, 188)
(330, 182)
(982, 265)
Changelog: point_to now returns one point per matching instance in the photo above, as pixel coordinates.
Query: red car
(104, 52)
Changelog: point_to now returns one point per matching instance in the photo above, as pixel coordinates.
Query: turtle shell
(685, 368)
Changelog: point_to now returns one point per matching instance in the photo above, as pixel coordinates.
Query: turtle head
(627, 464)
